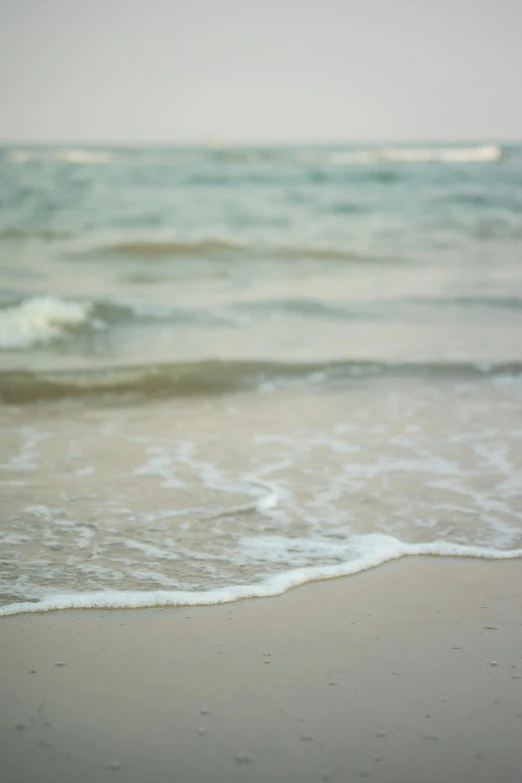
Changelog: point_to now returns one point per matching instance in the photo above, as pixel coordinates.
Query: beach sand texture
(410, 672)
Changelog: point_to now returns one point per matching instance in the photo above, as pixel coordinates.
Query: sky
(259, 71)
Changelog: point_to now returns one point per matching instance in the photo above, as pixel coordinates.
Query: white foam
(370, 552)
(83, 156)
(28, 457)
(160, 464)
(39, 320)
(476, 154)
(22, 156)
(64, 155)
(267, 502)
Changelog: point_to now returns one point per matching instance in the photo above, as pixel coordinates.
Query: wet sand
(411, 672)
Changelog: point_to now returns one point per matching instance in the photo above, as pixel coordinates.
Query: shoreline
(412, 671)
(270, 587)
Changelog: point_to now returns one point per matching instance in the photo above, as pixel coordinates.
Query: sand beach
(410, 672)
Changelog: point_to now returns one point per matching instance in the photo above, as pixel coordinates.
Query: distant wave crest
(477, 154)
(480, 153)
(63, 155)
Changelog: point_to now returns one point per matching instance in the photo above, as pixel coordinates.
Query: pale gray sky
(259, 70)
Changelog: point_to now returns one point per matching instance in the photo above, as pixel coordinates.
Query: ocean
(226, 371)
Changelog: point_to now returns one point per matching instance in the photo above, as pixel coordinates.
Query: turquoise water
(295, 253)
(219, 366)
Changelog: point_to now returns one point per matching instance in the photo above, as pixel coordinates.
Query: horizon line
(218, 142)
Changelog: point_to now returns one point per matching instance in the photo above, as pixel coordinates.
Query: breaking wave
(42, 320)
(39, 320)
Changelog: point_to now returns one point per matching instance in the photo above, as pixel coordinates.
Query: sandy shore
(409, 672)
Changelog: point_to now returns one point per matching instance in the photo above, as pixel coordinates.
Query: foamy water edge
(389, 550)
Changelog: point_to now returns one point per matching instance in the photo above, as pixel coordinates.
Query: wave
(380, 310)
(373, 550)
(62, 155)
(42, 320)
(215, 377)
(247, 156)
(475, 154)
(504, 302)
(39, 320)
(229, 249)
(323, 252)
(83, 156)
(146, 249)
(32, 233)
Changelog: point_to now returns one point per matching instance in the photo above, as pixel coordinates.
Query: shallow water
(224, 372)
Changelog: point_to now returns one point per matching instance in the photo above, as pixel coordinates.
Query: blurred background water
(129, 256)
(364, 305)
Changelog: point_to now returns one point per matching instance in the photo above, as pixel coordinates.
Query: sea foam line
(390, 549)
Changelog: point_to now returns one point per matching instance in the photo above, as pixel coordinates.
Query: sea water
(228, 371)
